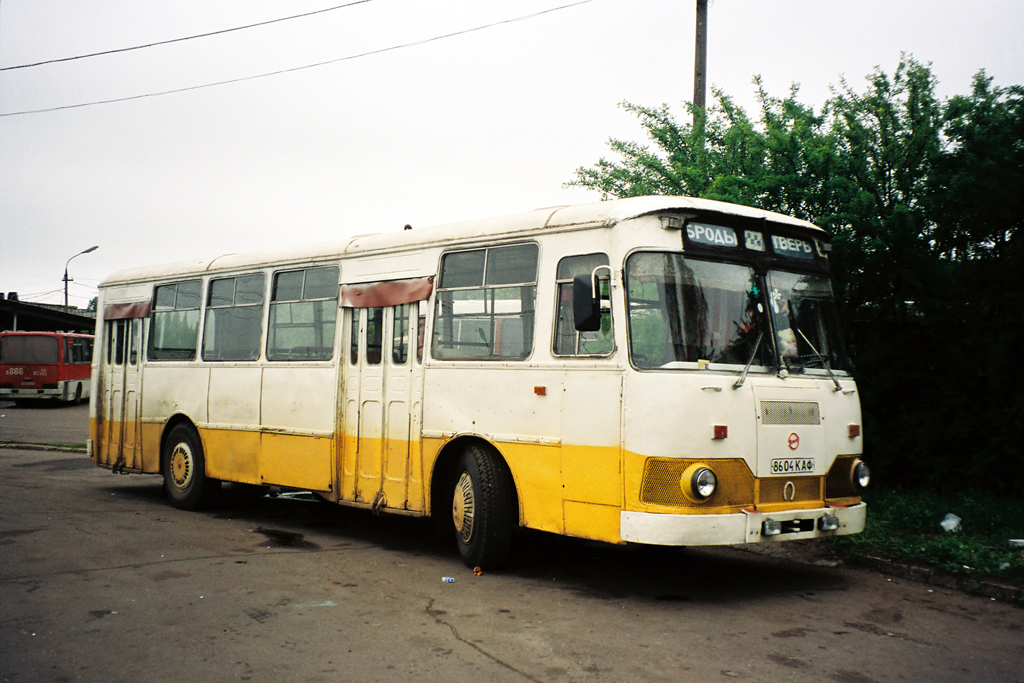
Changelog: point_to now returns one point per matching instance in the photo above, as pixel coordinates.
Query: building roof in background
(23, 316)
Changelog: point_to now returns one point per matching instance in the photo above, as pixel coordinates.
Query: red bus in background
(45, 365)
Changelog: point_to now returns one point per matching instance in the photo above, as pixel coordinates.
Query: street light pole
(66, 278)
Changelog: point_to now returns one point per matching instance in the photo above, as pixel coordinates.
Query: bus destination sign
(722, 237)
(712, 235)
(788, 246)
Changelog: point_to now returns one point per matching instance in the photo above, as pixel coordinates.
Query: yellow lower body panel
(305, 462)
(596, 522)
(232, 455)
(536, 471)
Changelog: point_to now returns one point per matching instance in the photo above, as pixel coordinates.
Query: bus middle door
(378, 419)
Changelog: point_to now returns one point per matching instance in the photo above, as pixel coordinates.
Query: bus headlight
(698, 483)
(861, 475)
(704, 483)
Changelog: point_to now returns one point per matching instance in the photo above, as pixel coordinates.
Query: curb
(41, 447)
(936, 577)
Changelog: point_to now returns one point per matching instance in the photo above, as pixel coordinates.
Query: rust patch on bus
(127, 311)
(379, 294)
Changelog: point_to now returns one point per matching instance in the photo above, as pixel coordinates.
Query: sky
(423, 112)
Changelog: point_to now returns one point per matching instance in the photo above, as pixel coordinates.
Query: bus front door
(120, 369)
(381, 403)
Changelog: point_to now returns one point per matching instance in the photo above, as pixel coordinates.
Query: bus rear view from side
(657, 370)
(50, 366)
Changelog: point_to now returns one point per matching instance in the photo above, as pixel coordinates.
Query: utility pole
(700, 58)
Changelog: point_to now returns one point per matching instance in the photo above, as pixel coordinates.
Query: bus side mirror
(586, 306)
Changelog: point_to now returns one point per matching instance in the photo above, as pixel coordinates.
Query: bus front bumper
(741, 527)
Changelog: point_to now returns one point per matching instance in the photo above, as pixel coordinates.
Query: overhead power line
(179, 40)
(415, 43)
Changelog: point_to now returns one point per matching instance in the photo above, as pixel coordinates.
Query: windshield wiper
(743, 375)
(821, 359)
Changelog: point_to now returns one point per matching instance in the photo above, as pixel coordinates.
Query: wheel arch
(172, 422)
(443, 472)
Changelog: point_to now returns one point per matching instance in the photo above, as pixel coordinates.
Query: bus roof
(596, 214)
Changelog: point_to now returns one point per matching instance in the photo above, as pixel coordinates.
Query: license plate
(793, 466)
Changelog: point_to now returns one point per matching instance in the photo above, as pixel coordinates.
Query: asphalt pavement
(102, 580)
(45, 422)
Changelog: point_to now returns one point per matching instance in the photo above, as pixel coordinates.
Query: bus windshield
(690, 313)
(806, 322)
(687, 311)
(29, 349)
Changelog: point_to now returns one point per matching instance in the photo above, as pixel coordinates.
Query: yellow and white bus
(658, 370)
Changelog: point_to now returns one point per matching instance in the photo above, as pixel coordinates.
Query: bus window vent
(789, 413)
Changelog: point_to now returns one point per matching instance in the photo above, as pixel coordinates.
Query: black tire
(483, 508)
(78, 396)
(184, 469)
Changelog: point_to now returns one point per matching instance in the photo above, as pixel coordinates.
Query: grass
(905, 526)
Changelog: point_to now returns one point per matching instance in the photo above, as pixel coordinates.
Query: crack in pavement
(436, 615)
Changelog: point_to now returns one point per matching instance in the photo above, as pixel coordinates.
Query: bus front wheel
(483, 508)
(184, 469)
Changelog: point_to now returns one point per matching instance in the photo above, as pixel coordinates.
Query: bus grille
(662, 479)
(789, 413)
(778, 490)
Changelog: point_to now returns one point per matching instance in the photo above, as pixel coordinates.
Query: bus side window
(400, 335)
(374, 335)
(569, 342)
(117, 341)
(234, 318)
(485, 304)
(174, 330)
(421, 326)
(353, 344)
(303, 313)
(133, 342)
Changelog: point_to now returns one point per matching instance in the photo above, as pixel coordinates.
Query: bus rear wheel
(483, 508)
(184, 469)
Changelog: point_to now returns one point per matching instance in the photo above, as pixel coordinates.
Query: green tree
(784, 162)
(924, 200)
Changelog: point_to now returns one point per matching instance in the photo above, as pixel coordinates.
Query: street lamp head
(91, 249)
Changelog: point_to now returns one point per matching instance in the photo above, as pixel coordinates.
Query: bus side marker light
(853, 431)
(828, 523)
(540, 391)
(771, 527)
(721, 432)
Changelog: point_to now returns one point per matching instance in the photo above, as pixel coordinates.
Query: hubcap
(464, 507)
(181, 465)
